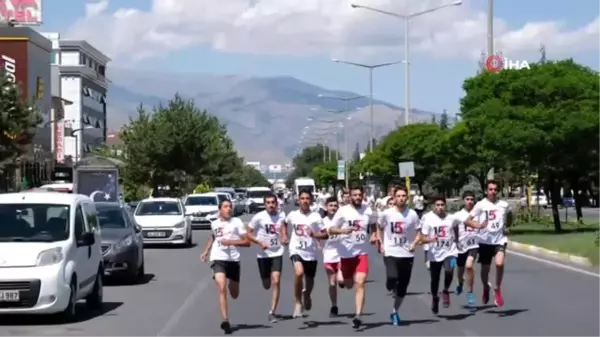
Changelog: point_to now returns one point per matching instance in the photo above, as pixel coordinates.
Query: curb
(522, 247)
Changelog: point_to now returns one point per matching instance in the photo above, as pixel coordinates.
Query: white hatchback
(50, 253)
(163, 221)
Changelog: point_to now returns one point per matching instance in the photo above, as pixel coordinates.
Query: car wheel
(141, 272)
(95, 299)
(189, 241)
(70, 312)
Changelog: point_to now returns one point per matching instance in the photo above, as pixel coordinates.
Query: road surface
(179, 299)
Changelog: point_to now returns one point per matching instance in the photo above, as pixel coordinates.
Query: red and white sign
(21, 12)
(59, 138)
(496, 63)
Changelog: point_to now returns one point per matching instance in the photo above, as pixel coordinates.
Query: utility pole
(490, 28)
(542, 54)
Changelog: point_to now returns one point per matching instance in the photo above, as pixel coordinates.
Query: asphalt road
(179, 299)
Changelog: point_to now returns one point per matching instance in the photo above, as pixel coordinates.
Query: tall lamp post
(407, 18)
(76, 136)
(370, 68)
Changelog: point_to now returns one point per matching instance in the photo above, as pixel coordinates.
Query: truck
(98, 178)
(302, 184)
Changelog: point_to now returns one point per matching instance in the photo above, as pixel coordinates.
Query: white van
(50, 253)
(255, 201)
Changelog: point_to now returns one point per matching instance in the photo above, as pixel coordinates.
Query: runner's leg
(435, 268)
(221, 270)
(470, 275)
(276, 267)
(360, 279)
(348, 271)
(461, 260)
(264, 270)
(500, 255)
(298, 285)
(486, 254)
(310, 271)
(332, 269)
(449, 263)
(404, 272)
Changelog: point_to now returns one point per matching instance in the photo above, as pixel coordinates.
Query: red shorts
(332, 266)
(353, 265)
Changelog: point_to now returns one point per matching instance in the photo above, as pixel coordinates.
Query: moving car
(50, 255)
(122, 242)
(203, 208)
(163, 222)
(255, 202)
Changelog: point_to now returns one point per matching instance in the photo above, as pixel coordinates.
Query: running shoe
(459, 289)
(356, 322)
(333, 312)
(470, 299)
(298, 311)
(226, 327)
(272, 318)
(395, 318)
(498, 299)
(445, 298)
(435, 305)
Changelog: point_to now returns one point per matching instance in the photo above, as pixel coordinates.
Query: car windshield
(34, 222)
(201, 201)
(240, 190)
(241, 195)
(111, 217)
(258, 194)
(158, 208)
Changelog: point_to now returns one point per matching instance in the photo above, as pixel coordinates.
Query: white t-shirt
(232, 229)
(468, 237)
(300, 243)
(399, 231)
(280, 203)
(267, 229)
(381, 203)
(357, 242)
(419, 202)
(495, 214)
(332, 245)
(445, 246)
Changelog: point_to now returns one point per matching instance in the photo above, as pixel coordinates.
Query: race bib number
(302, 245)
(274, 242)
(443, 244)
(470, 242)
(400, 240)
(360, 237)
(493, 221)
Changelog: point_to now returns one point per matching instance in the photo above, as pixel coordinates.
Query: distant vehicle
(58, 187)
(255, 201)
(203, 208)
(50, 254)
(241, 190)
(163, 222)
(304, 184)
(537, 199)
(122, 242)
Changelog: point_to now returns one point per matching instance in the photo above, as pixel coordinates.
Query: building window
(55, 57)
(102, 70)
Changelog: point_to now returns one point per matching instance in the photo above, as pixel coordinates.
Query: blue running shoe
(459, 289)
(395, 318)
(470, 299)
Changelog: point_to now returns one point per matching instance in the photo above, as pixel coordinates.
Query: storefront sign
(59, 137)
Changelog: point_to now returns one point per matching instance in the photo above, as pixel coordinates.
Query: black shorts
(231, 269)
(310, 267)
(487, 253)
(425, 254)
(461, 260)
(268, 265)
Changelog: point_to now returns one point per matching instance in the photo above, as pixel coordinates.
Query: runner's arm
(209, 244)
(243, 242)
(250, 231)
(423, 235)
(475, 212)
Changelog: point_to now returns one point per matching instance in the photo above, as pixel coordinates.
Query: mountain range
(265, 116)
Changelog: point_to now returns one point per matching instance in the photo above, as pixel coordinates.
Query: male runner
(468, 245)
(227, 235)
(494, 217)
(306, 226)
(354, 221)
(345, 200)
(331, 257)
(398, 227)
(440, 231)
(267, 229)
(390, 203)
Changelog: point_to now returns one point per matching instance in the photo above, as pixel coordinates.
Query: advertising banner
(21, 12)
(59, 138)
(341, 170)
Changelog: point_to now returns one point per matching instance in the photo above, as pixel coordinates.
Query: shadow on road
(309, 324)
(506, 313)
(478, 307)
(373, 325)
(249, 327)
(120, 282)
(83, 315)
(457, 317)
(351, 315)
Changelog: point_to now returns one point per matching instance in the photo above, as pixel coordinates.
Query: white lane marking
(189, 301)
(555, 264)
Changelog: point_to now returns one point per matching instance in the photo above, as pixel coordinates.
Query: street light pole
(490, 28)
(370, 67)
(407, 18)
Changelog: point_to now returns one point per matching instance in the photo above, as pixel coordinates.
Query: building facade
(79, 71)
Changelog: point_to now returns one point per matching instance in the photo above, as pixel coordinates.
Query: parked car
(50, 256)
(122, 242)
(203, 208)
(163, 221)
(538, 199)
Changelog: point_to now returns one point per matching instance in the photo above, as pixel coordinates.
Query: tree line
(538, 126)
(181, 146)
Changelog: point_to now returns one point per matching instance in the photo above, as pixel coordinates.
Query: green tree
(18, 123)
(252, 177)
(444, 120)
(179, 145)
(306, 160)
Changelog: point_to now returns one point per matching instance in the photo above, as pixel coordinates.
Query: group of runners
(344, 237)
